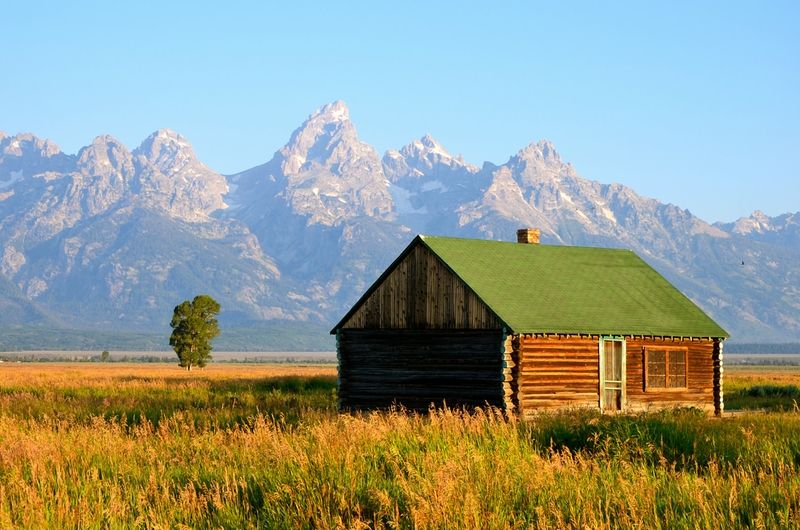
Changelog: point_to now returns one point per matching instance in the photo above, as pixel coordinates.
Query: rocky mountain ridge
(112, 238)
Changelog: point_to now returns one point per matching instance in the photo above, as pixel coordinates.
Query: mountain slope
(322, 207)
(741, 277)
(429, 184)
(111, 238)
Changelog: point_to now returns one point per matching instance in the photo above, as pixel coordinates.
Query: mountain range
(110, 239)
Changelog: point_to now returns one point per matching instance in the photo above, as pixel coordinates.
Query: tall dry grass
(316, 469)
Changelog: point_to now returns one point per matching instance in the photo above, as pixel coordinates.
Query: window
(665, 368)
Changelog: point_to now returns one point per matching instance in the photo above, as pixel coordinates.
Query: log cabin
(526, 327)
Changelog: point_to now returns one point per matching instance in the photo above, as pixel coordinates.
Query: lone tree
(194, 325)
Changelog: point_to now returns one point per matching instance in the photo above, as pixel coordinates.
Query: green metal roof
(559, 289)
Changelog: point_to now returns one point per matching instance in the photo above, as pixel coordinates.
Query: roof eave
(622, 333)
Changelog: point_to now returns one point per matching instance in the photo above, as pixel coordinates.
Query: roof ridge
(522, 245)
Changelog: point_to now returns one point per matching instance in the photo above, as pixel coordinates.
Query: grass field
(255, 446)
(770, 388)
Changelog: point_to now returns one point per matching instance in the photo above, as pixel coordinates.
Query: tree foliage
(194, 324)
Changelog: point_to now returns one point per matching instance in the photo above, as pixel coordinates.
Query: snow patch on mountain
(402, 201)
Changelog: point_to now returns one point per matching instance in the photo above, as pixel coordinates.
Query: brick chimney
(528, 236)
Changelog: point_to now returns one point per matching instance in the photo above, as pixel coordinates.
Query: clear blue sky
(695, 103)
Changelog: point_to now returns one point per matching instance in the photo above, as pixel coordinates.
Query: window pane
(656, 362)
(613, 360)
(677, 369)
(656, 369)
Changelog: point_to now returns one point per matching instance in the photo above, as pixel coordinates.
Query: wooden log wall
(557, 372)
(422, 293)
(417, 369)
(700, 375)
(511, 373)
(719, 403)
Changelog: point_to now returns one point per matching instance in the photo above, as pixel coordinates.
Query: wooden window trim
(668, 350)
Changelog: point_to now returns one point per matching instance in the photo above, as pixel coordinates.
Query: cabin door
(612, 374)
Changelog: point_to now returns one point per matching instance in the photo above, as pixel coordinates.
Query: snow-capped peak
(327, 137)
(420, 157)
(170, 135)
(167, 150)
(336, 111)
(758, 222)
(27, 143)
(428, 144)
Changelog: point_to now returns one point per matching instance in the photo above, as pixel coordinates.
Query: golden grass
(262, 447)
(743, 375)
(101, 374)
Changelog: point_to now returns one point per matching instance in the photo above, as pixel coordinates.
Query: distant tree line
(61, 358)
(756, 348)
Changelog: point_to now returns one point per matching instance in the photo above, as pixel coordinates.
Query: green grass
(763, 388)
(205, 403)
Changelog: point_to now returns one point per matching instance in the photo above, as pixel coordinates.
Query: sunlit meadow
(254, 446)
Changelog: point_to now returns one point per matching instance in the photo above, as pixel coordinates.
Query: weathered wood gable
(420, 291)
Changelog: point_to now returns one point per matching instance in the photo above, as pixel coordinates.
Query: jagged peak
(106, 139)
(422, 148)
(420, 157)
(166, 136)
(332, 112)
(165, 132)
(104, 149)
(20, 142)
(328, 120)
(27, 137)
(327, 136)
(428, 144)
(756, 222)
(165, 147)
(542, 150)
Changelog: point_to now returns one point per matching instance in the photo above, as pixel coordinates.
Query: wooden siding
(700, 371)
(557, 371)
(422, 293)
(417, 369)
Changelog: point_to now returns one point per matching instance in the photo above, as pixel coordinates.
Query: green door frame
(617, 385)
